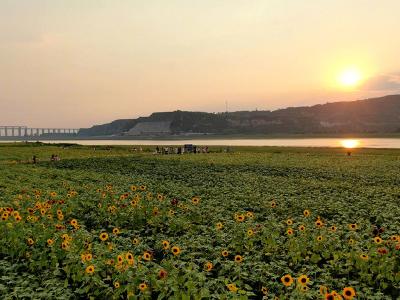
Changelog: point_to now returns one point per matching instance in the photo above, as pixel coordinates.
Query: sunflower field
(257, 223)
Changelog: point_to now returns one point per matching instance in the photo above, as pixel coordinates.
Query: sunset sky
(75, 63)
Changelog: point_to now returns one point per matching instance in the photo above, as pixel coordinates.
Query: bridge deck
(21, 131)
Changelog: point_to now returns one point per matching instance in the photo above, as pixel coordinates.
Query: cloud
(383, 82)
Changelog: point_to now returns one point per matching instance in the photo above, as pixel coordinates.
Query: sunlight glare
(349, 144)
(350, 77)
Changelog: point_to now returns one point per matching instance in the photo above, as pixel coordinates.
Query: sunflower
(240, 218)
(289, 231)
(303, 280)
(133, 188)
(225, 253)
(89, 269)
(348, 293)
(273, 204)
(30, 242)
(5, 216)
(250, 214)
(65, 245)
(142, 187)
(208, 266)
(364, 256)
(353, 226)
(289, 222)
(264, 290)
(160, 197)
(53, 194)
(50, 242)
(302, 228)
(165, 245)
(304, 288)
(250, 232)
(156, 211)
(232, 287)
(129, 256)
(142, 286)
(382, 251)
(65, 237)
(306, 213)
(329, 296)
(219, 225)
(323, 289)
(195, 200)
(287, 280)
(162, 274)
(319, 223)
(120, 259)
(238, 258)
(135, 241)
(378, 240)
(131, 262)
(18, 218)
(176, 250)
(116, 285)
(320, 238)
(74, 222)
(89, 257)
(116, 231)
(351, 241)
(146, 256)
(103, 236)
(333, 228)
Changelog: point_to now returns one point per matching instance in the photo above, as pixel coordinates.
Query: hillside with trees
(376, 115)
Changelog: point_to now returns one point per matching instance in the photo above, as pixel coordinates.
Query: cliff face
(378, 115)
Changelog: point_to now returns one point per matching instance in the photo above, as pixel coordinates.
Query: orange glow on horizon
(350, 144)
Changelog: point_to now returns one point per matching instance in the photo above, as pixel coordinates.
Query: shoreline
(206, 137)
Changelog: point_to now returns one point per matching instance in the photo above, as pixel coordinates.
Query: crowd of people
(181, 150)
(54, 157)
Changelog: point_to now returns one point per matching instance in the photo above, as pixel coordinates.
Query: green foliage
(269, 188)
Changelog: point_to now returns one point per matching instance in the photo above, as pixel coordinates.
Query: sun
(349, 144)
(350, 77)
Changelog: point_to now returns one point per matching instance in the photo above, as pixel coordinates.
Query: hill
(376, 115)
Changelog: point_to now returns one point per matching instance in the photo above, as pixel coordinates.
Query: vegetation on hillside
(379, 115)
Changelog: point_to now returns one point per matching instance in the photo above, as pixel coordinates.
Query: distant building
(150, 128)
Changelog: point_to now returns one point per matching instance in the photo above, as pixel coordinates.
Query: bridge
(24, 131)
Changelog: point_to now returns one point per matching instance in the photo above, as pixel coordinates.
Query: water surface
(295, 142)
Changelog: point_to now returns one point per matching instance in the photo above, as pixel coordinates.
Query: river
(295, 142)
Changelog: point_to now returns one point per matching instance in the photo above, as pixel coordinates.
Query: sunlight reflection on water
(306, 142)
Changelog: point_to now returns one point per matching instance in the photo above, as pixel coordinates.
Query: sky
(76, 63)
